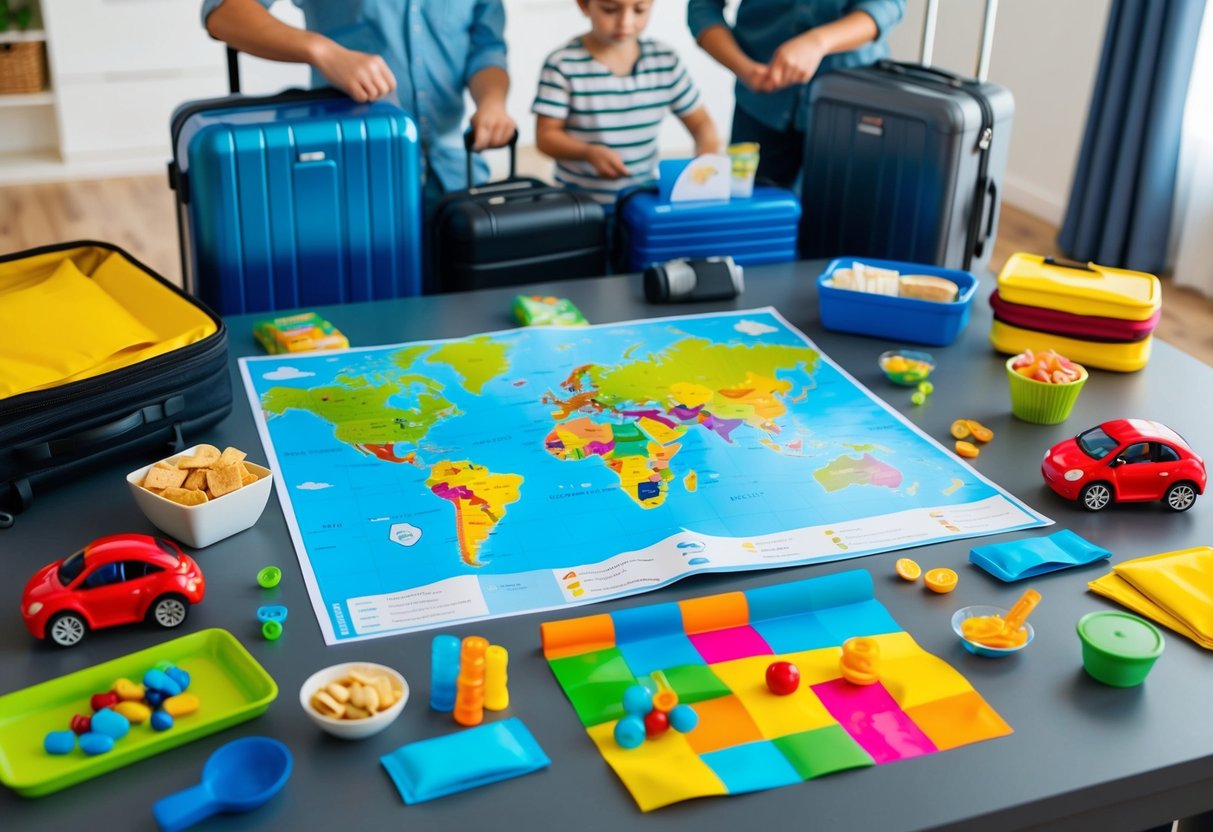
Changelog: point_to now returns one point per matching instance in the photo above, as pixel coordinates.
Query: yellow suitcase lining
(1121, 357)
(82, 312)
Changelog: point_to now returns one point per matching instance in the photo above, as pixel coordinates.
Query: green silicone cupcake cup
(1039, 402)
(1118, 648)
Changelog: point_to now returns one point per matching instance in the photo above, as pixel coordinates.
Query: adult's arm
(248, 26)
(712, 33)
(486, 76)
(797, 60)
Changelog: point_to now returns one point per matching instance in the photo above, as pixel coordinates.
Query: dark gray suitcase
(518, 230)
(905, 162)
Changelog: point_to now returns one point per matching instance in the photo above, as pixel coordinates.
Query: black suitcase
(517, 230)
(137, 413)
(905, 162)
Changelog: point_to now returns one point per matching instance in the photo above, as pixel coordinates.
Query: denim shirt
(762, 25)
(433, 47)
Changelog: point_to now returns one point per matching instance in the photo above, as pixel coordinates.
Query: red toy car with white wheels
(118, 579)
(1125, 460)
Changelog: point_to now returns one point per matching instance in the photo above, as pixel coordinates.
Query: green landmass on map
(846, 471)
(477, 360)
(362, 415)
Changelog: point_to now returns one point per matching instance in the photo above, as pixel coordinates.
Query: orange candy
(966, 449)
(940, 580)
(907, 569)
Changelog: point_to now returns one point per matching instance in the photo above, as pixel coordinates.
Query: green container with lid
(1118, 648)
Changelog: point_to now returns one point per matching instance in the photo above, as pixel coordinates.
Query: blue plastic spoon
(237, 777)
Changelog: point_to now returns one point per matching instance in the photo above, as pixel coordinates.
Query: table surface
(1083, 756)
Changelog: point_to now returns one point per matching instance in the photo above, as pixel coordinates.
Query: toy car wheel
(1180, 496)
(66, 630)
(169, 611)
(1096, 496)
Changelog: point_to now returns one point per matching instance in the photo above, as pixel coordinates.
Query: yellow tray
(1121, 357)
(1092, 290)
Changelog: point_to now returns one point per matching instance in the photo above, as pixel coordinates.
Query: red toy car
(118, 579)
(1127, 460)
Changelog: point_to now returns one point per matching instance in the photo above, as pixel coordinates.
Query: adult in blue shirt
(774, 70)
(428, 51)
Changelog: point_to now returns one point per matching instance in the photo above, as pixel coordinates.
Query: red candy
(656, 723)
(783, 678)
(103, 700)
(81, 724)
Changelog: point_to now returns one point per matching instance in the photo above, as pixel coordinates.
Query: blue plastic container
(761, 229)
(893, 318)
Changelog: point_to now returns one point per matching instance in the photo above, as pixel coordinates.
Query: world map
(444, 481)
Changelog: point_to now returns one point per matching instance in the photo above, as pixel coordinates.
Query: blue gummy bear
(444, 672)
(111, 723)
(637, 700)
(157, 679)
(629, 731)
(162, 721)
(683, 718)
(181, 677)
(93, 743)
(154, 698)
(59, 742)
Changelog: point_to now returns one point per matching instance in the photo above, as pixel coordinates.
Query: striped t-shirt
(623, 112)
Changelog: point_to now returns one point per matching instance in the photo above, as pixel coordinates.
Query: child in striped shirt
(602, 97)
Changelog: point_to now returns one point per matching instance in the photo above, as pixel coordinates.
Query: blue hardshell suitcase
(298, 199)
(761, 229)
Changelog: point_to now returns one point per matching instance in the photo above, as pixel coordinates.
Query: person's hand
(755, 76)
(607, 163)
(360, 75)
(795, 62)
(491, 127)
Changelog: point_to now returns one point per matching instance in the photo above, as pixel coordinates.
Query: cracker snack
(205, 476)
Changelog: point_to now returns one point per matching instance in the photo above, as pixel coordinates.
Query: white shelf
(29, 99)
(26, 36)
(45, 165)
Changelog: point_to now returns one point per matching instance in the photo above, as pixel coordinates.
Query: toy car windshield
(1095, 443)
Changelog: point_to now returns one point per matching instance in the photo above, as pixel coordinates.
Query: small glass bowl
(978, 611)
(906, 367)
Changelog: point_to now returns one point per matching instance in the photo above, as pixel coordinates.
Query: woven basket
(22, 68)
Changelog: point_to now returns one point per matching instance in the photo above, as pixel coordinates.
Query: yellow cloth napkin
(59, 327)
(1173, 588)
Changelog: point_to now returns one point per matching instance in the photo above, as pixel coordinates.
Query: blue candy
(444, 671)
(162, 721)
(629, 731)
(272, 613)
(181, 677)
(157, 679)
(110, 723)
(637, 700)
(154, 698)
(59, 742)
(683, 718)
(93, 743)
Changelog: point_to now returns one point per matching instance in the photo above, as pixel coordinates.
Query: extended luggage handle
(512, 144)
(987, 36)
(934, 73)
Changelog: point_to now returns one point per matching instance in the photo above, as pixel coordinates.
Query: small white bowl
(204, 524)
(353, 729)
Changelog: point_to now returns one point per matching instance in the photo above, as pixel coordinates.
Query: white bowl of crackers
(354, 700)
(202, 495)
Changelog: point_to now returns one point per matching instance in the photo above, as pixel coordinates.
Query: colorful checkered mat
(714, 652)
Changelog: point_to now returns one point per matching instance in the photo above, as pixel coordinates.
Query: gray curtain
(1119, 212)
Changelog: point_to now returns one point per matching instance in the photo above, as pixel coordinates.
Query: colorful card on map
(714, 652)
(439, 482)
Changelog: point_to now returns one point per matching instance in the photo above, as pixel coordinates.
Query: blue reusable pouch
(1032, 556)
(476, 757)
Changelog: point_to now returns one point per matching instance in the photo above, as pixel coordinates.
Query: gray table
(1083, 756)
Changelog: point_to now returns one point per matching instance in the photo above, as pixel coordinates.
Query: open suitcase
(905, 162)
(104, 360)
(298, 199)
(514, 231)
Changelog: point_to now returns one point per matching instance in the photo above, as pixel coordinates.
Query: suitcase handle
(991, 193)
(942, 75)
(50, 450)
(512, 144)
(1069, 264)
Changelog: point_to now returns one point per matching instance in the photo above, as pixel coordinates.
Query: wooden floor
(137, 213)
